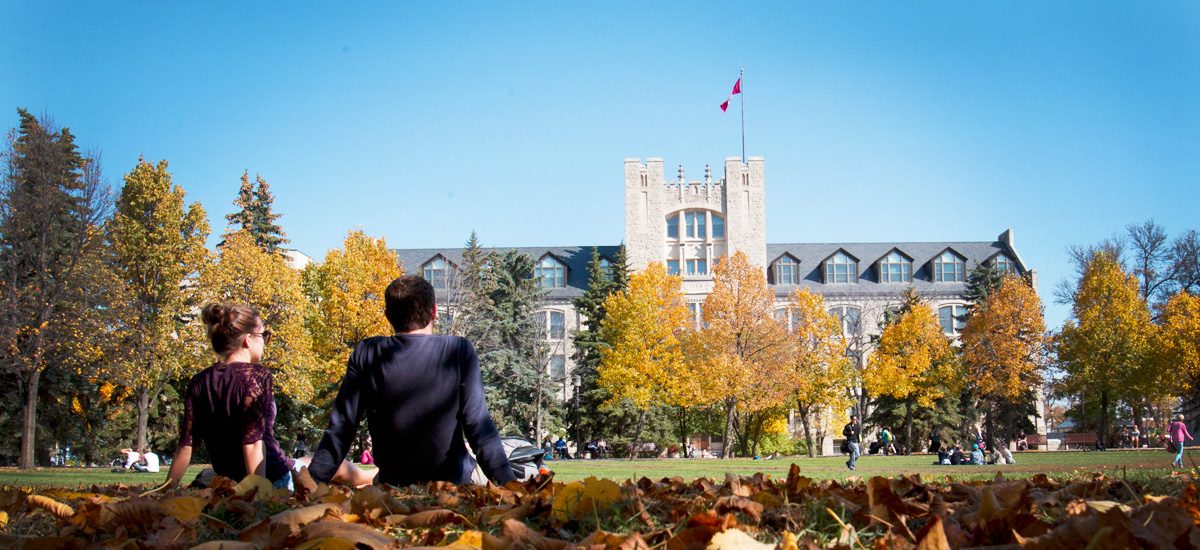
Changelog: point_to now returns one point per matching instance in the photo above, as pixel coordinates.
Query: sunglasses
(265, 335)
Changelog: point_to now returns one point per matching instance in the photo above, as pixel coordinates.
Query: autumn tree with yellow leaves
(913, 361)
(157, 248)
(349, 287)
(1104, 349)
(744, 346)
(245, 274)
(817, 367)
(1004, 351)
(1178, 343)
(643, 330)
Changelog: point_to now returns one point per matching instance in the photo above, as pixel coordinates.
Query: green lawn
(1140, 465)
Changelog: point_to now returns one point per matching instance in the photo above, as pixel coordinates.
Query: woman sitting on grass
(230, 406)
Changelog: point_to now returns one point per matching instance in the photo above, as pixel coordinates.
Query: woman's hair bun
(212, 315)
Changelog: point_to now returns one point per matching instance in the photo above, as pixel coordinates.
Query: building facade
(691, 224)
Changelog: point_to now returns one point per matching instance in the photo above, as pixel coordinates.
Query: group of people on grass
(421, 394)
(146, 461)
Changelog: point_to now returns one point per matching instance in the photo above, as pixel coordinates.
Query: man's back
(420, 394)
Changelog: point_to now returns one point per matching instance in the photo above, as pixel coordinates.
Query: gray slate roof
(810, 255)
(576, 259)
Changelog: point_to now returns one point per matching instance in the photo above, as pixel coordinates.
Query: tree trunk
(537, 422)
(988, 425)
(730, 406)
(804, 421)
(143, 418)
(637, 436)
(756, 427)
(1103, 435)
(683, 431)
(908, 422)
(29, 426)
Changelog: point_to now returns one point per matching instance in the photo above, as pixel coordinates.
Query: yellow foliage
(817, 367)
(582, 499)
(914, 359)
(1003, 342)
(1106, 346)
(1179, 337)
(643, 327)
(743, 346)
(350, 287)
(245, 274)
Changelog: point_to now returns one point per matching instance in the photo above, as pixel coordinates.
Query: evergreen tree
(255, 215)
(267, 233)
(981, 282)
(52, 203)
(242, 218)
(589, 419)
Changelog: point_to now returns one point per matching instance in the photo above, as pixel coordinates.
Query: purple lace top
(229, 405)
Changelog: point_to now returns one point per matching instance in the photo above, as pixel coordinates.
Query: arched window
(850, 319)
(1004, 264)
(550, 273)
(951, 318)
(949, 268)
(895, 268)
(695, 223)
(554, 323)
(438, 272)
(787, 271)
(841, 268)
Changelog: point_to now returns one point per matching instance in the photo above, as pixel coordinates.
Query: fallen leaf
(56, 508)
(735, 539)
(184, 509)
(581, 499)
(254, 487)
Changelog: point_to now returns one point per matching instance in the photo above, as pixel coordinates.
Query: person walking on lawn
(852, 431)
(1178, 431)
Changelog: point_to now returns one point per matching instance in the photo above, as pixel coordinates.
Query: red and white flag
(737, 89)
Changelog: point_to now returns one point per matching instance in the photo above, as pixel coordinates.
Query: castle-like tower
(691, 225)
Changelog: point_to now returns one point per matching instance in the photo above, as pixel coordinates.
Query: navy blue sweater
(421, 394)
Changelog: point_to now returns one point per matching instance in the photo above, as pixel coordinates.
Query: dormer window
(437, 271)
(550, 273)
(841, 269)
(895, 268)
(949, 268)
(1004, 264)
(787, 271)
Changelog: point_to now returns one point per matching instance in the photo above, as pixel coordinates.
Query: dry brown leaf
(744, 505)
(432, 518)
(184, 509)
(255, 487)
(933, 536)
(735, 539)
(521, 535)
(56, 508)
(361, 535)
(225, 545)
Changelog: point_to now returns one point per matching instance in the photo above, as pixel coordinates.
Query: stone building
(691, 224)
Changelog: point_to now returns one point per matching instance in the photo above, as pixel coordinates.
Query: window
(673, 226)
(895, 268)
(1004, 264)
(841, 268)
(718, 227)
(790, 317)
(550, 273)
(697, 266)
(437, 272)
(694, 221)
(787, 271)
(951, 318)
(697, 311)
(672, 267)
(558, 367)
(605, 264)
(850, 319)
(949, 268)
(554, 323)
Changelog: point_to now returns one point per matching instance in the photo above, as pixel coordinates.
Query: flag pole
(741, 75)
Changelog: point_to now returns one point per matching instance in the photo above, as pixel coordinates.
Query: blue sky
(912, 121)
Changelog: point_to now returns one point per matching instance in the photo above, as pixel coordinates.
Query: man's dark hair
(408, 303)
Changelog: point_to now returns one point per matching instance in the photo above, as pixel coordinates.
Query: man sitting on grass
(422, 396)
